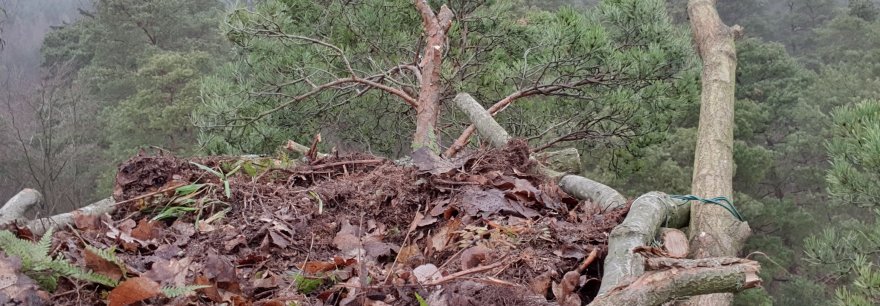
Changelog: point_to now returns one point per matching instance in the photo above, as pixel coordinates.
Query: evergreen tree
(140, 63)
(617, 75)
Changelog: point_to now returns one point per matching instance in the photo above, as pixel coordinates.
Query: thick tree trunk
(714, 232)
(428, 103)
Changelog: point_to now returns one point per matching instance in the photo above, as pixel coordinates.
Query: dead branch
(486, 125)
(39, 226)
(19, 205)
(464, 273)
(728, 275)
(647, 214)
(586, 189)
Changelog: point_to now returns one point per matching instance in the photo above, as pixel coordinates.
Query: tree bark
(647, 214)
(586, 189)
(428, 103)
(714, 232)
(482, 120)
(682, 278)
(19, 205)
(40, 226)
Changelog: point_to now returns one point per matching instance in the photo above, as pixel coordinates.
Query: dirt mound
(341, 230)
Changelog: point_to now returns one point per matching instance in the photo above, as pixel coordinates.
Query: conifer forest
(440, 152)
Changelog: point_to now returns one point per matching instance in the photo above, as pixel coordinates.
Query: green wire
(720, 201)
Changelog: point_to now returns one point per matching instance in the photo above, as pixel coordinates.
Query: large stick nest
(342, 230)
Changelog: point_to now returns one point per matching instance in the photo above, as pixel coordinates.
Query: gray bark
(586, 189)
(19, 205)
(648, 213)
(40, 226)
(682, 279)
(486, 125)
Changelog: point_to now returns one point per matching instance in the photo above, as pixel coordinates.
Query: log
(675, 242)
(486, 125)
(684, 278)
(19, 205)
(586, 189)
(40, 226)
(646, 215)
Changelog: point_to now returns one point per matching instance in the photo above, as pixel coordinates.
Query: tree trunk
(714, 232)
(428, 103)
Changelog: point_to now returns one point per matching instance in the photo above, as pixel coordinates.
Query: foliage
(643, 65)
(855, 154)
(173, 292)
(141, 64)
(36, 262)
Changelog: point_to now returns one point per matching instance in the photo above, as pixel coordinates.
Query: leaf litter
(338, 230)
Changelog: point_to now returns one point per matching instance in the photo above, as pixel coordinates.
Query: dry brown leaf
(211, 292)
(219, 269)
(409, 253)
(133, 290)
(169, 272)
(86, 222)
(474, 256)
(17, 288)
(145, 230)
(429, 162)
(314, 267)
(102, 266)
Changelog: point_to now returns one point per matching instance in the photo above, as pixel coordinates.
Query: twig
(349, 162)
(590, 258)
(412, 226)
(463, 273)
(147, 195)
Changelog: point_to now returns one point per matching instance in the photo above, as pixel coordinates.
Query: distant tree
(865, 9)
(141, 62)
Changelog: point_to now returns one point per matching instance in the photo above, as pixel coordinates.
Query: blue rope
(720, 201)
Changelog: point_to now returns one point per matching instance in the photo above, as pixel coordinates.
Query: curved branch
(647, 214)
(395, 91)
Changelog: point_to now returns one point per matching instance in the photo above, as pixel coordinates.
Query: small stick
(350, 162)
(463, 273)
(147, 195)
(595, 253)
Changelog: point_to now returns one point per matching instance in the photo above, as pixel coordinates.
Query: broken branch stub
(648, 213)
(19, 205)
(586, 189)
(486, 125)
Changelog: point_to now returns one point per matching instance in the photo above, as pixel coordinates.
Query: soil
(482, 229)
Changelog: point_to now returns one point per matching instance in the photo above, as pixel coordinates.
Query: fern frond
(173, 291)
(36, 262)
(65, 268)
(107, 254)
(45, 243)
(27, 251)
